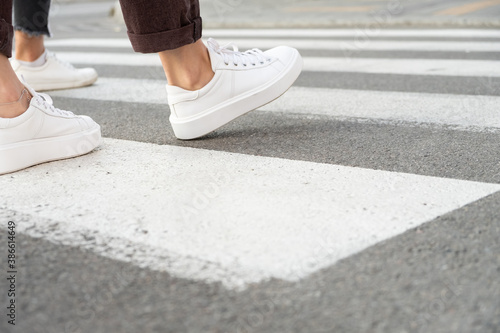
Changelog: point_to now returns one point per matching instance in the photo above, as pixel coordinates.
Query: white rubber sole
(21, 155)
(210, 120)
(45, 86)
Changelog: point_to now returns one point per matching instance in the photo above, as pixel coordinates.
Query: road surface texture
(366, 199)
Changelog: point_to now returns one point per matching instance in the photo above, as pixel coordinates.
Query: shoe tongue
(32, 92)
(215, 58)
(213, 44)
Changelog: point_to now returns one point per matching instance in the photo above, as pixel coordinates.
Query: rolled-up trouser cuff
(6, 36)
(166, 40)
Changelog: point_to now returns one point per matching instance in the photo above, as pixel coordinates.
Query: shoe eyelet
(226, 63)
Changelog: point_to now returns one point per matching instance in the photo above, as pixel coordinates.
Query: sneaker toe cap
(88, 74)
(285, 54)
(87, 122)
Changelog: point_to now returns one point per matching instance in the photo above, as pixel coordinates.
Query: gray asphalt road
(441, 276)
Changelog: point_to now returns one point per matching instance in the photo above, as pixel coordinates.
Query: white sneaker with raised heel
(243, 81)
(54, 74)
(44, 133)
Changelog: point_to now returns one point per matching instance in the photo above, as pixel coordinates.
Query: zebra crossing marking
(311, 44)
(441, 67)
(466, 112)
(239, 219)
(218, 216)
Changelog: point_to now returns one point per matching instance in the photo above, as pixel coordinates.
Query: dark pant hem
(31, 33)
(166, 40)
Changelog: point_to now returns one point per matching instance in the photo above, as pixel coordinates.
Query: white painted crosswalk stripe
(442, 67)
(462, 111)
(311, 44)
(226, 217)
(239, 219)
(405, 66)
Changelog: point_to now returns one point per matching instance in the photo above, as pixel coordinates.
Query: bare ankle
(11, 91)
(28, 48)
(192, 80)
(188, 67)
(9, 94)
(17, 107)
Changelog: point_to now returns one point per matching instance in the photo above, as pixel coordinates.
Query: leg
(208, 86)
(31, 24)
(28, 48)
(32, 130)
(10, 86)
(6, 28)
(188, 66)
(39, 67)
(174, 31)
(10, 91)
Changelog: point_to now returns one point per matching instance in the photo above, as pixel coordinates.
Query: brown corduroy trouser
(153, 25)
(6, 30)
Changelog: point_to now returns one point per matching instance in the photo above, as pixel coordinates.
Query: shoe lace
(45, 101)
(60, 61)
(252, 56)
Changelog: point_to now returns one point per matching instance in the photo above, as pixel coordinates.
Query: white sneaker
(243, 81)
(44, 133)
(54, 74)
